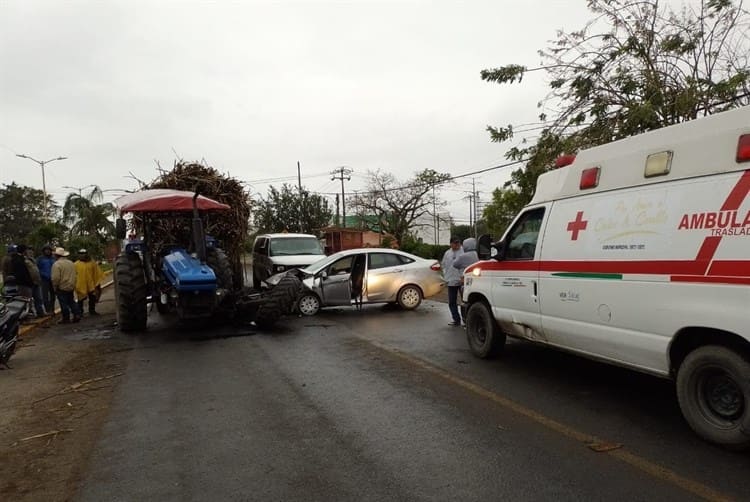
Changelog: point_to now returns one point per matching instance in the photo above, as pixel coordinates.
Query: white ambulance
(636, 253)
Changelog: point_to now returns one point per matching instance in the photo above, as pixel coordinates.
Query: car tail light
(435, 266)
(743, 148)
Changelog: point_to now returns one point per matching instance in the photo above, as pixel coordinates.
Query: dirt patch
(55, 400)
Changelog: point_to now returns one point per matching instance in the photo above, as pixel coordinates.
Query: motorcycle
(14, 308)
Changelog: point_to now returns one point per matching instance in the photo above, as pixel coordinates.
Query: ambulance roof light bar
(564, 160)
(743, 148)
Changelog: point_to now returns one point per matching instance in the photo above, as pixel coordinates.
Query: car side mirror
(120, 228)
(484, 247)
(324, 275)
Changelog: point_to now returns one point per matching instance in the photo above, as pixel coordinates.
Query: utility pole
(434, 216)
(301, 200)
(337, 210)
(341, 173)
(471, 209)
(44, 182)
(474, 193)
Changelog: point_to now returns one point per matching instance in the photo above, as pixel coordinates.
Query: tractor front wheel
(280, 300)
(130, 292)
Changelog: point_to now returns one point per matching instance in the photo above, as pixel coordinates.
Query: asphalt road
(384, 404)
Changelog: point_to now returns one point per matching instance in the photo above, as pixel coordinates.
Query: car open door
(336, 282)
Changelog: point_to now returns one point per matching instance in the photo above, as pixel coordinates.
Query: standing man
(453, 278)
(20, 271)
(44, 264)
(64, 284)
(469, 257)
(7, 267)
(88, 281)
(36, 279)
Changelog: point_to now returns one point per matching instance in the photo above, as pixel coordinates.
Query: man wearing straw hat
(64, 282)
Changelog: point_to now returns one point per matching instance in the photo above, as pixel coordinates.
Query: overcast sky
(253, 87)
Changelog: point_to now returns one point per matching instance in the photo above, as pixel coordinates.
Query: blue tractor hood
(186, 273)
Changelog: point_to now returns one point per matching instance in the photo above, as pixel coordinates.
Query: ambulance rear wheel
(482, 332)
(713, 388)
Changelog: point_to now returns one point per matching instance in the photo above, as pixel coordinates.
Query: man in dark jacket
(20, 271)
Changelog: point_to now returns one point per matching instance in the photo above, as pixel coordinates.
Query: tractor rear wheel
(280, 300)
(130, 292)
(219, 263)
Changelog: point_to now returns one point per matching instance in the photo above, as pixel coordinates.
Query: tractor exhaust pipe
(199, 235)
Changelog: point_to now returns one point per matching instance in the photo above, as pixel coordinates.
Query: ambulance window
(523, 236)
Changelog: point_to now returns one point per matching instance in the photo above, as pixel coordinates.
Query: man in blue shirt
(44, 263)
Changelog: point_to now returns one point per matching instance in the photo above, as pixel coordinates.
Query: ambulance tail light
(743, 148)
(564, 160)
(589, 178)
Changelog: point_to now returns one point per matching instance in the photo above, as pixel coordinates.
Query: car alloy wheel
(308, 305)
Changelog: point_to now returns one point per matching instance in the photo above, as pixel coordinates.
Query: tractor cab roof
(165, 200)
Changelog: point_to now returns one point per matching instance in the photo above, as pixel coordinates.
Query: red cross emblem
(577, 225)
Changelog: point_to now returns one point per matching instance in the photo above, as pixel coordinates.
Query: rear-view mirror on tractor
(120, 228)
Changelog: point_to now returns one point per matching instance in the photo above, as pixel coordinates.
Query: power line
(426, 184)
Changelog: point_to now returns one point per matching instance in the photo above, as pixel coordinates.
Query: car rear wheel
(409, 297)
(308, 304)
(484, 336)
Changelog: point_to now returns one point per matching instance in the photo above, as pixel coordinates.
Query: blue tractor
(191, 276)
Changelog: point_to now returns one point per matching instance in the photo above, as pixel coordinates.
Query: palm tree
(87, 216)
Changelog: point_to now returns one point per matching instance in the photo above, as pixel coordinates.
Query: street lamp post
(44, 181)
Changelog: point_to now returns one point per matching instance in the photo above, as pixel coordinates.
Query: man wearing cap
(88, 281)
(44, 264)
(453, 278)
(64, 283)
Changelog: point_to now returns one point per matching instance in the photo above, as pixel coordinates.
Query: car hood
(297, 272)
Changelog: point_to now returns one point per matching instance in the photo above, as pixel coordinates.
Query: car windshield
(290, 246)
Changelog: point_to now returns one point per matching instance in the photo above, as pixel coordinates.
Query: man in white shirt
(453, 278)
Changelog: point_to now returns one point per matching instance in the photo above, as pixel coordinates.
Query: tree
(505, 205)
(89, 220)
(290, 210)
(22, 208)
(637, 66)
(399, 205)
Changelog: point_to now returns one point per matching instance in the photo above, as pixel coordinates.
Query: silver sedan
(368, 275)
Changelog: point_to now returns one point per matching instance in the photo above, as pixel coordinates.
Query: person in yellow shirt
(88, 281)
